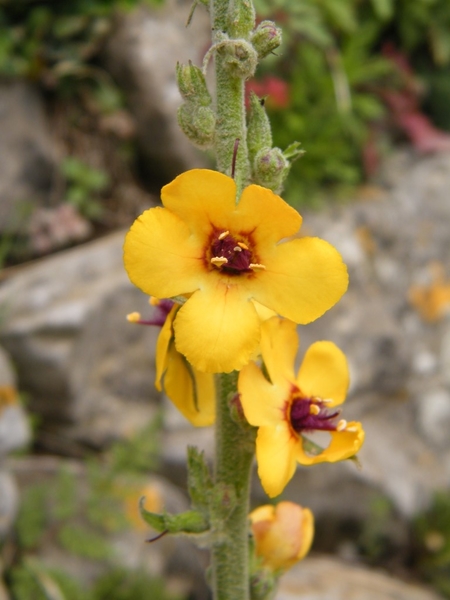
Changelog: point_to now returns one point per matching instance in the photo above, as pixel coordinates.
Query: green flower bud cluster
(266, 38)
(270, 166)
(196, 116)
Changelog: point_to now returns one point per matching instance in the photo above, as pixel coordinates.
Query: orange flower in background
(283, 534)
(220, 256)
(289, 407)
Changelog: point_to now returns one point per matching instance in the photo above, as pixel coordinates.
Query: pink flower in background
(275, 89)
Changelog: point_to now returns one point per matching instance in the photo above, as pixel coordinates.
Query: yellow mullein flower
(289, 406)
(283, 534)
(222, 255)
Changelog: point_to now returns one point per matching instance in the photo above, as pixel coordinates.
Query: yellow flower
(222, 255)
(283, 534)
(288, 406)
(191, 391)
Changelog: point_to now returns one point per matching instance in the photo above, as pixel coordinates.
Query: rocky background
(78, 406)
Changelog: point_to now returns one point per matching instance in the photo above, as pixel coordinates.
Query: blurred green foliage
(56, 43)
(84, 184)
(77, 514)
(432, 531)
(331, 58)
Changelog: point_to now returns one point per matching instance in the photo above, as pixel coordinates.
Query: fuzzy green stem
(234, 456)
(230, 108)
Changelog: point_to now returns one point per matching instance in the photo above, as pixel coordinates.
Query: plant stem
(230, 108)
(234, 456)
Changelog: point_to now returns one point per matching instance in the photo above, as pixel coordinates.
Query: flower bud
(241, 58)
(283, 534)
(259, 134)
(241, 18)
(197, 123)
(192, 84)
(270, 169)
(266, 38)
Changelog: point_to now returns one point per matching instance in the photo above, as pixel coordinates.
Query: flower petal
(324, 373)
(162, 346)
(262, 402)
(275, 453)
(217, 329)
(192, 392)
(160, 255)
(344, 444)
(279, 344)
(266, 216)
(302, 280)
(201, 198)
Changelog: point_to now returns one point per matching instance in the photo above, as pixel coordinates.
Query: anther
(237, 249)
(223, 235)
(327, 400)
(134, 317)
(218, 261)
(242, 245)
(351, 429)
(256, 267)
(153, 301)
(314, 409)
(341, 425)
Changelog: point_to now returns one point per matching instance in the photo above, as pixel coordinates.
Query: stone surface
(88, 372)
(27, 165)
(142, 55)
(321, 578)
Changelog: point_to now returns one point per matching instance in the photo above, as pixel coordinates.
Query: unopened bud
(283, 534)
(270, 169)
(259, 134)
(241, 18)
(241, 58)
(192, 84)
(197, 123)
(266, 38)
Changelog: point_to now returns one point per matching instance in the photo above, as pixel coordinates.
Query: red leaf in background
(404, 105)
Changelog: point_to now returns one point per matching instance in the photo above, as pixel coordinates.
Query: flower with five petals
(221, 255)
(289, 406)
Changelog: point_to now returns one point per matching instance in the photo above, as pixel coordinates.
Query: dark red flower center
(232, 254)
(311, 414)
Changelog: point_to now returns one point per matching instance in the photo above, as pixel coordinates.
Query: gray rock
(27, 164)
(142, 55)
(9, 502)
(88, 372)
(320, 578)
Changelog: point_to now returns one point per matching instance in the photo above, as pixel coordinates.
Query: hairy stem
(234, 456)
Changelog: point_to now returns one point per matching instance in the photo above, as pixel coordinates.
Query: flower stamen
(342, 425)
(242, 245)
(223, 235)
(257, 267)
(134, 317)
(219, 261)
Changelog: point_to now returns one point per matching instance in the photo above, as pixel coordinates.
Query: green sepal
(189, 522)
(293, 151)
(259, 133)
(197, 123)
(266, 38)
(200, 483)
(192, 84)
(241, 18)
